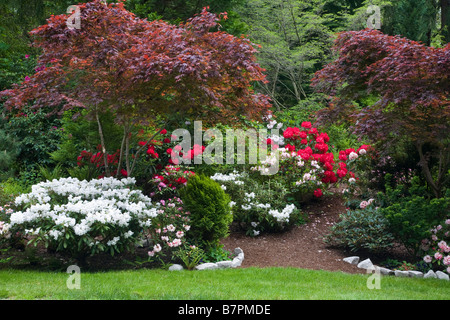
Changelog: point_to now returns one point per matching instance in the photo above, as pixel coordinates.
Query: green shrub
(210, 210)
(410, 214)
(361, 229)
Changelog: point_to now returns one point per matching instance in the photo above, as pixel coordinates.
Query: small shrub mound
(361, 229)
(210, 210)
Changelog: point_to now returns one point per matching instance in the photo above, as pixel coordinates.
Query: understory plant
(364, 228)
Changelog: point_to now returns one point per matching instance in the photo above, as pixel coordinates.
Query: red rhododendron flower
(306, 124)
(290, 147)
(318, 193)
(124, 172)
(291, 133)
(163, 131)
(342, 155)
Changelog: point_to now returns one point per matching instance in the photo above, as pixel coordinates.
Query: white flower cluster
(79, 205)
(234, 176)
(285, 214)
(281, 216)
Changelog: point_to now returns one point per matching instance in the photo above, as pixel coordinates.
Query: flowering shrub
(436, 249)
(169, 228)
(258, 207)
(83, 218)
(306, 165)
(169, 180)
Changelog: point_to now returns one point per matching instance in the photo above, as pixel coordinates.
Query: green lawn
(227, 284)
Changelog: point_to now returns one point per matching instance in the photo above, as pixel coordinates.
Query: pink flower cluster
(169, 228)
(437, 248)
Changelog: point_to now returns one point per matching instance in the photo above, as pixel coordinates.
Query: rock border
(236, 262)
(370, 267)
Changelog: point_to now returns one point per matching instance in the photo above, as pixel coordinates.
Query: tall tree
(411, 84)
(138, 69)
(295, 43)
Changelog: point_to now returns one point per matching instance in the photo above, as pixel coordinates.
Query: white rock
(237, 251)
(385, 271)
(236, 263)
(176, 267)
(366, 264)
(415, 274)
(430, 274)
(224, 264)
(352, 260)
(442, 276)
(399, 273)
(207, 266)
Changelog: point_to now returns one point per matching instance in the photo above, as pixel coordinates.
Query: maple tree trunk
(122, 146)
(102, 141)
(435, 185)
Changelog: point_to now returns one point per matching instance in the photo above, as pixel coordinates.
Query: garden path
(302, 246)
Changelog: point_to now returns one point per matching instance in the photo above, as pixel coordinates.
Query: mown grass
(227, 284)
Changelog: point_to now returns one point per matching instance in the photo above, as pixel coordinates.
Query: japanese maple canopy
(409, 80)
(139, 68)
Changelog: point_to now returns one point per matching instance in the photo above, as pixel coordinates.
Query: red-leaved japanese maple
(139, 69)
(410, 83)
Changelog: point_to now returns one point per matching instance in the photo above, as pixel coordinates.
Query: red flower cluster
(311, 145)
(172, 177)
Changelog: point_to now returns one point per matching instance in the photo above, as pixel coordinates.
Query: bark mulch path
(302, 246)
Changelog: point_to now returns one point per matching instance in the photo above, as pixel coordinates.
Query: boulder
(352, 260)
(399, 273)
(430, 274)
(176, 267)
(236, 263)
(366, 264)
(207, 266)
(224, 264)
(415, 274)
(385, 271)
(441, 275)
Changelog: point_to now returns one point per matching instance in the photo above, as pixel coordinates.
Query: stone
(366, 264)
(237, 251)
(441, 275)
(176, 267)
(236, 263)
(399, 273)
(352, 260)
(207, 266)
(385, 271)
(430, 274)
(415, 274)
(224, 264)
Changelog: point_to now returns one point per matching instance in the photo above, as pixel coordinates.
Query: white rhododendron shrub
(84, 218)
(258, 207)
